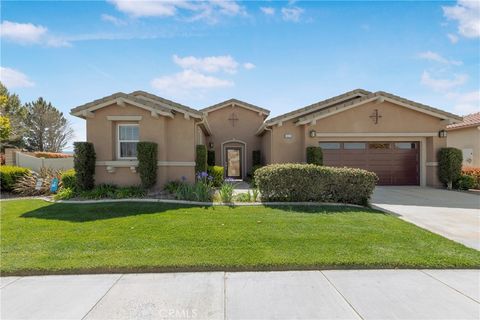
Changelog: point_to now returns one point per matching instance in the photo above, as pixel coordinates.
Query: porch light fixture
(442, 133)
(210, 145)
(313, 133)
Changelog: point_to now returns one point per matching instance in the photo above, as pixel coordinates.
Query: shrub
(255, 194)
(473, 172)
(147, 163)
(244, 197)
(130, 192)
(84, 164)
(256, 158)
(27, 185)
(201, 158)
(308, 182)
(69, 179)
(9, 175)
(64, 194)
(100, 191)
(252, 174)
(51, 155)
(217, 174)
(201, 191)
(211, 157)
(315, 155)
(172, 186)
(226, 191)
(464, 182)
(449, 165)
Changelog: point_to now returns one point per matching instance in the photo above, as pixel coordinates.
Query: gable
(236, 103)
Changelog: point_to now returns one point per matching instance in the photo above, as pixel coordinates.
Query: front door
(233, 158)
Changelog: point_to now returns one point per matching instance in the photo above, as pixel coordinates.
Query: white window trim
(118, 139)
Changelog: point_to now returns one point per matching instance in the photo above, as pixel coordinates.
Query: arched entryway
(234, 159)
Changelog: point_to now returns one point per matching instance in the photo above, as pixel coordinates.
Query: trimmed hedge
(211, 158)
(217, 173)
(69, 179)
(9, 175)
(84, 165)
(449, 165)
(256, 158)
(147, 163)
(465, 182)
(309, 182)
(52, 155)
(201, 158)
(315, 155)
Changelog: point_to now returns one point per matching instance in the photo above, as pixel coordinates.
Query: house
(392, 136)
(465, 136)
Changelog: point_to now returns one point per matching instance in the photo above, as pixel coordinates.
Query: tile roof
(230, 101)
(470, 120)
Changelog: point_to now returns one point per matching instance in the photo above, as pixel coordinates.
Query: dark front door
(395, 163)
(233, 162)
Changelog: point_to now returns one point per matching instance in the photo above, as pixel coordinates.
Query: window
(379, 145)
(127, 141)
(354, 145)
(329, 145)
(405, 145)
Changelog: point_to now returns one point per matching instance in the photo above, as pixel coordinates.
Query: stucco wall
(175, 138)
(467, 138)
(244, 130)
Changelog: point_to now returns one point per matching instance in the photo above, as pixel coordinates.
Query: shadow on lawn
(100, 211)
(323, 209)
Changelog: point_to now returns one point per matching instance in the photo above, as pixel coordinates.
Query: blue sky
(277, 55)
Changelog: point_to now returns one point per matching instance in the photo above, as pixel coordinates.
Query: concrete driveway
(349, 294)
(454, 215)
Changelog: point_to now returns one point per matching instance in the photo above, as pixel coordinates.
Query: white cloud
(465, 103)
(248, 65)
(292, 14)
(114, 20)
(28, 33)
(453, 38)
(439, 84)
(208, 64)
(269, 11)
(202, 10)
(433, 56)
(12, 78)
(467, 14)
(187, 80)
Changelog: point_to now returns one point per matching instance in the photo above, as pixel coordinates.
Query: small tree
(5, 128)
(315, 155)
(201, 158)
(46, 127)
(449, 165)
(84, 164)
(11, 108)
(147, 163)
(211, 157)
(256, 158)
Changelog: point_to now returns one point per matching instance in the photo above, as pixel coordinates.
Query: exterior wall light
(442, 133)
(210, 145)
(313, 133)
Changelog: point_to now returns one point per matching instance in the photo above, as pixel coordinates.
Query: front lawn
(41, 237)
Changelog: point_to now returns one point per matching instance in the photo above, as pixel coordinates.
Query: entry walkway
(352, 294)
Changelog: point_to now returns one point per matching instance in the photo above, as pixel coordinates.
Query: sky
(279, 55)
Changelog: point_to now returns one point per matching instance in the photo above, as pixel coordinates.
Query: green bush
(64, 194)
(449, 165)
(130, 192)
(217, 173)
(211, 158)
(201, 158)
(69, 179)
(172, 186)
(147, 163)
(226, 191)
(244, 197)
(252, 175)
(315, 155)
(9, 175)
(100, 191)
(308, 182)
(465, 182)
(84, 165)
(256, 158)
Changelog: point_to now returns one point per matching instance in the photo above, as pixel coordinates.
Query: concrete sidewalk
(351, 294)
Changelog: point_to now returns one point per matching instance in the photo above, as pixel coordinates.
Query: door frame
(234, 143)
(240, 160)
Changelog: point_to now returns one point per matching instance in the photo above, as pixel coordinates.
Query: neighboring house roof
(240, 103)
(380, 96)
(168, 103)
(471, 120)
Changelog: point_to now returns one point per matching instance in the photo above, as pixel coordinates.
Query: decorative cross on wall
(233, 118)
(375, 116)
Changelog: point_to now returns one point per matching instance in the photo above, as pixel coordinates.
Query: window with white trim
(128, 138)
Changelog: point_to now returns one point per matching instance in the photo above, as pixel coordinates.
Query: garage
(395, 163)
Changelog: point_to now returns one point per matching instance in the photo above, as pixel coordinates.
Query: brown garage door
(395, 163)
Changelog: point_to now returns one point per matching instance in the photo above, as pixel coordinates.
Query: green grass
(40, 237)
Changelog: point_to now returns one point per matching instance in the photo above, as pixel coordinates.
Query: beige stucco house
(465, 136)
(392, 136)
